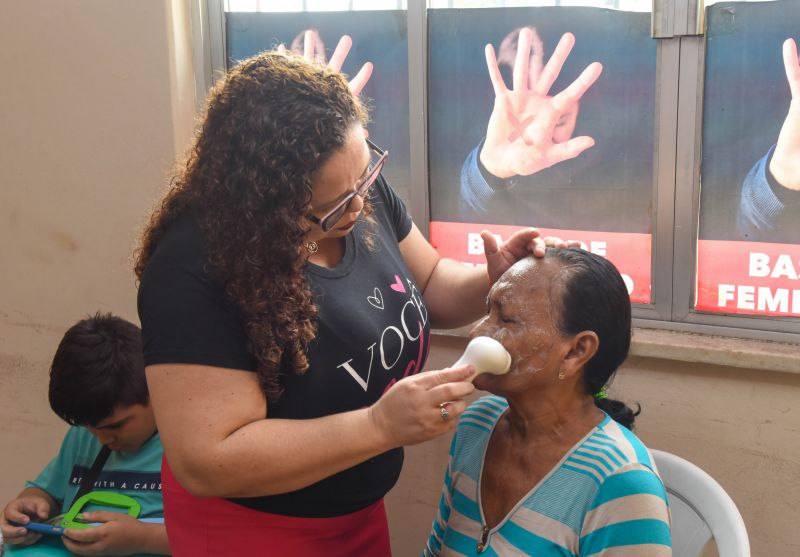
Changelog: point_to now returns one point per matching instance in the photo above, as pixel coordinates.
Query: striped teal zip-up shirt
(604, 498)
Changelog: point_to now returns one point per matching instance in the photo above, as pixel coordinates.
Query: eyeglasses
(334, 215)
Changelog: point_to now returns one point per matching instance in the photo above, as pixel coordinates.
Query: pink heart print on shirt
(398, 285)
(391, 349)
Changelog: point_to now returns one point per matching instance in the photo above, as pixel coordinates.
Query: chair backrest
(700, 510)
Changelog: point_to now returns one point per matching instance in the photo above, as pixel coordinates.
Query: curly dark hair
(247, 180)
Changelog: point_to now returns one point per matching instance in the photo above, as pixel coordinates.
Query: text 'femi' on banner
(748, 277)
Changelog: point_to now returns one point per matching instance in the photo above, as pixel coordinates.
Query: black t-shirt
(372, 330)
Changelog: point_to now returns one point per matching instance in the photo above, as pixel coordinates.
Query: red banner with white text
(630, 252)
(753, 278)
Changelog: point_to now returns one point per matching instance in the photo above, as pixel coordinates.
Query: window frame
(678, 26)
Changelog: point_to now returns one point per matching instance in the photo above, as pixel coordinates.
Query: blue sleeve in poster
(759, 207)
(765, 206)
(476, 193)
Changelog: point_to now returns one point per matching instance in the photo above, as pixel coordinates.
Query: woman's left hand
(500, 257)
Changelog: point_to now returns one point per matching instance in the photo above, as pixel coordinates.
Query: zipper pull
(484, 538)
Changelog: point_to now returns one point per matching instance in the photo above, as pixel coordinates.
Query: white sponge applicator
(487, 355)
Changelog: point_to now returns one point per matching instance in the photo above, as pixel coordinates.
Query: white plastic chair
(700, 509)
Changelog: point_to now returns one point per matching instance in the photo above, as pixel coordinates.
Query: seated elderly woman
(549, 465)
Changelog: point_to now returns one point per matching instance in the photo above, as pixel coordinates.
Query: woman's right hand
(410, 412)
(218, 442)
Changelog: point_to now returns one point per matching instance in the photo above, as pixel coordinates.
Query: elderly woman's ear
(581, 348)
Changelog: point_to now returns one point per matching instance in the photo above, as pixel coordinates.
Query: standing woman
(286, 301)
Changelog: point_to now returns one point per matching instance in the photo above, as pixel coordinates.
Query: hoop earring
(311, 247)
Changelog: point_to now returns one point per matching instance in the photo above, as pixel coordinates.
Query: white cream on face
(521, 319)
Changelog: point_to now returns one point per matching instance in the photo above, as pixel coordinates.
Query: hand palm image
(313, 49)
(529, 130)
(769, 201)
(785, 164)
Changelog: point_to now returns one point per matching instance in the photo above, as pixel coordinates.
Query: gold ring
(443, 411)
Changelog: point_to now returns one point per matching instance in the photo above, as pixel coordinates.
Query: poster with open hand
(543, 116)
(748, 259)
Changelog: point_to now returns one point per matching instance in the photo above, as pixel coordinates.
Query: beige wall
(741, 426)
(95, 102)
(94, 98)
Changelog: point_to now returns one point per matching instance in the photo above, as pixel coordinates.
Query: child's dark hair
(98, 367)
(594, 298)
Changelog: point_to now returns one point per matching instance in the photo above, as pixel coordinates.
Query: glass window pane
(712, 2)
(629, 5)
(580, 168)
(241, 5)
(327, 5)
(281, 5)
(311, 5)
(749, 238)
(378, 4)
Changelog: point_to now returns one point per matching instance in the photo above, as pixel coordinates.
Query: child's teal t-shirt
(137, 475)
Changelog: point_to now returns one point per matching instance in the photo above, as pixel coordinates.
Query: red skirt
(200, 527)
